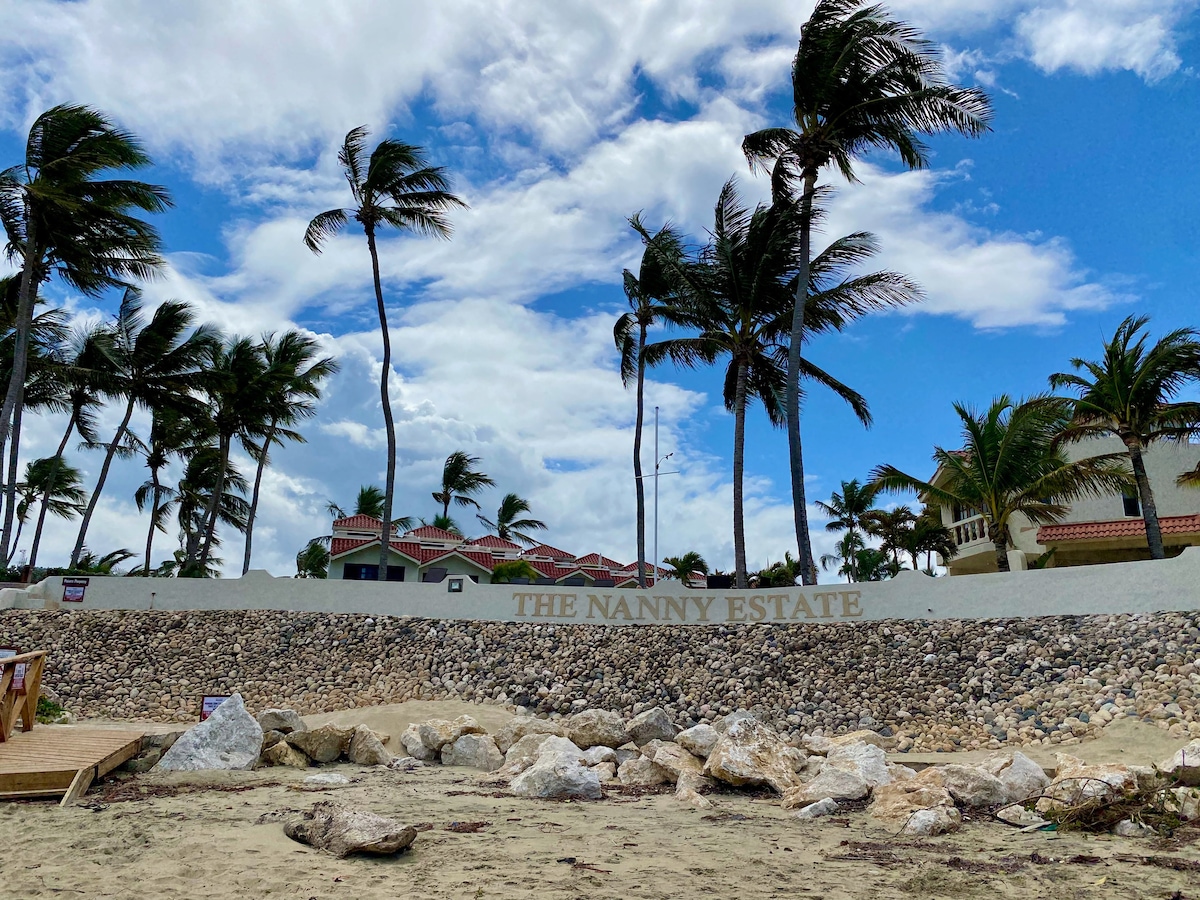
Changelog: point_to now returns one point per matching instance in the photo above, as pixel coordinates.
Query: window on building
(962, 513)
(394, 573)
(360, 573)
(1133, 506)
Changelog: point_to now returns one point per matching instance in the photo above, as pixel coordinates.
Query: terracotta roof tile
(490, 540)
(342, 546)
(547, 550)
(432, 533)
(1115, 528)
(369, 523)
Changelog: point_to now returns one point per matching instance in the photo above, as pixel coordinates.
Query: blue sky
(557, 120)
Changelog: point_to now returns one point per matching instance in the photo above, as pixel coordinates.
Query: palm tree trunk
(16, 541)
(446, 505)
(739, 444)
(37, 532)
(792, 395)
(999, 538)
(1146, 497)
(108, 458)
(637, 458)
(10, 487)
(153, 520)
(389, 426)
(262, 464)
(214, 505)
(14, 397)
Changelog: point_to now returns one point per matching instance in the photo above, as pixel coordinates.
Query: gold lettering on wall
(783, 607)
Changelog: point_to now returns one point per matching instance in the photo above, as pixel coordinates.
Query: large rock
(410, 738)
(605, 771)
(324, 744)
(283, 720)
(751, 753)
(724, 723)
(521, 726)
(1021, 776)
(594, 756)
(342, 831)
(642, 772)
(816, 743)
(558, 774)
(524, 753)
(915, 807)
(651, 725)
(820, 808)
(698, 740)
(477, 751)
(284, 754)
(867, 761)
(969, 786)
(673, 758)
(833, 783)
(1185, 764)
(1185, 801)
(227, 739)
(1075, 781)
(596, 728)
(366, 748)
(688, 790)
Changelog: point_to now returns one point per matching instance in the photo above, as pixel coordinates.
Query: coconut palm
(860, 81)
(1129, 394)
(392, 188)
(153, 365)
(56, 486)
(293, 378)
(845, 555)
(894, 529)
(929, 536)
(509, 525)
(460, 480)
(846, 511)
(62, 215)
(193, 502)
(739, 297)
(780, 574)
(313, 560)
(445, 523)
(91, 564)
(369, 502)
(1011, 463)
(505, 572)
(650, 295)
(172, 434)
(683, 566)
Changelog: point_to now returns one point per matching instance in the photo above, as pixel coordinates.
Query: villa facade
(1102, 529)
(432, 554)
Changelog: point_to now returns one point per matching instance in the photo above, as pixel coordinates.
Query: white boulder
(229, 738)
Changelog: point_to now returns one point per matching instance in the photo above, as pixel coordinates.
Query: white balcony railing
(969, 531)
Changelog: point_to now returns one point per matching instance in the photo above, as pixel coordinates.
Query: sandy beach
(219, 835)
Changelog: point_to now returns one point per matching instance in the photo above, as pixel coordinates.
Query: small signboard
(209, 704)
(18, 682)
(74, 589)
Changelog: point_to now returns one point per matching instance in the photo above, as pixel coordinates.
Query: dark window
(1133, 506)
(361, 573)
(395, 573)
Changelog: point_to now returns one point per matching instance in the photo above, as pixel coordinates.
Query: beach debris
(642, 772)
(343, 831)
(1184, 766)
(522, 726)
(478, 751)
(751, 753)
(227, 739)
(651, 725)
(284, 754)
(1076, 782)
(698, 740)
(825, 807)
(1128, 828)
(558, 773)
(323, 744)
(405, 763)
(367, 748)
(285, 721)
(915, 807)
(467, 827)
(597, 728)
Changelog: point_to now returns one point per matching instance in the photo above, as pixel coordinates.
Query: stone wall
(946, 684)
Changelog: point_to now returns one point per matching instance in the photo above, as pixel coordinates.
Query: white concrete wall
(1134, 587)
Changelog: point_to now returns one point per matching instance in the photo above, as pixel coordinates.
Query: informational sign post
(18, 682)
(209, 704)
(74, 589)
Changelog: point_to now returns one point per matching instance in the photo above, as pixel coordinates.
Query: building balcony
(970, 535)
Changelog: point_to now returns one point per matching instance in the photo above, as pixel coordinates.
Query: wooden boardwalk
(61, 761)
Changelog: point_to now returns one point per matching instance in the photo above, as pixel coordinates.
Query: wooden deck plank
(45, 761)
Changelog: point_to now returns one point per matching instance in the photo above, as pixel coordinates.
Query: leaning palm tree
(55, 485)
(153, 365)
(293, 385)
(846, 511)
(195, 493)
(313, 560)
(860, 81)
(650, 295)
(172, 434)
(392, 188)
(1129, 394)
(1011, 463)
(509, 524)
(460, 480)
(682, 567)
(63, 215)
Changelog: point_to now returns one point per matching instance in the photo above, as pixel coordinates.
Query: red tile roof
(480, 558)
(1116, 528)
(432, 533)
(361, 523)
(547, 550)
(342, 546)
(490, 540)
(596, 560)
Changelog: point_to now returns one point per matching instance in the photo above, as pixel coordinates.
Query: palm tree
(650, 299)
(1129, 394)
(83, 367)
(860, 81)
(293, 379)
(508, 525)
(928, 535)
(195, 498)
(1011, 463)
(394, 188)
(459, 481)
(443, 522)
(893, 527)
(91, 564)
(846, 511)
(739, 297)
(845, 554)
(236, 385)
(313, 560)
(873, 564)
(153, 366)
(780, 574)
(369, 502)
(62, 215)
(505, 572)
(683, 566)
(57, 486)
(171, 435)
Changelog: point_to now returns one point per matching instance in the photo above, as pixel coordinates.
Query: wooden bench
(21, 704)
